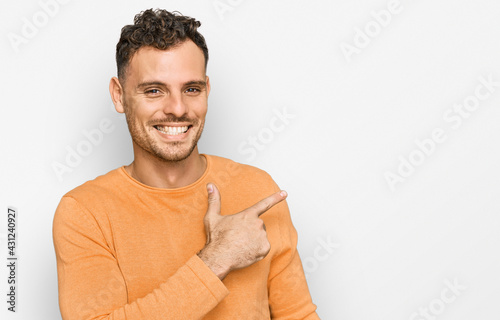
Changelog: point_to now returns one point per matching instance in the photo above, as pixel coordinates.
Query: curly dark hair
(159, 29)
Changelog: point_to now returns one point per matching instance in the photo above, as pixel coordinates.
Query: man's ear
(208, 85)
(116, 92)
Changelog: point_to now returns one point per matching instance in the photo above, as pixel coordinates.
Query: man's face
(165, 100)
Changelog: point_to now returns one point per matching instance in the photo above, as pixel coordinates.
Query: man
(175, 234)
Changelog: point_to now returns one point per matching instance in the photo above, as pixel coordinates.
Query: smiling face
(164, 97)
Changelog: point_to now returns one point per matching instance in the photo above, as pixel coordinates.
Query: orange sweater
(128, 251)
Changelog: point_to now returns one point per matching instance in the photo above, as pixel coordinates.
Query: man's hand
(235, 241)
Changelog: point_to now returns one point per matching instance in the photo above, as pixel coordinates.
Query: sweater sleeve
(289, 296)
(92, 287)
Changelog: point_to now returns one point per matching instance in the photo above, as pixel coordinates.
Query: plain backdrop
(380, 118)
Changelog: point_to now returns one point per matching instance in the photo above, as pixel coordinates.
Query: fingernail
(283, 193)
(210, 188)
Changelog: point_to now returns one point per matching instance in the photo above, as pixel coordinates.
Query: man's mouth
(172, 131)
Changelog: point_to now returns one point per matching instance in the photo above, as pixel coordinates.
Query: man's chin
(178, 156)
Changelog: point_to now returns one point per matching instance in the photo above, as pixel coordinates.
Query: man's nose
(175, 105)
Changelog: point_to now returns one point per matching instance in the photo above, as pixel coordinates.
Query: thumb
(213, 200)
(213, 209)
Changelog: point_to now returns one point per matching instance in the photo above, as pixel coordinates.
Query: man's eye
(192, 90)
(153, 91)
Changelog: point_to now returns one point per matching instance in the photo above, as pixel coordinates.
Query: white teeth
(172, 130)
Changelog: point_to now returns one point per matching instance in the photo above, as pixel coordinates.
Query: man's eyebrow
(150, 83)
(196, 82)
(159, 83)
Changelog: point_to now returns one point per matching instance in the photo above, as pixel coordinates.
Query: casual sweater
(126, 250)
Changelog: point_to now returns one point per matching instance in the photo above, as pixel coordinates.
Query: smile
(172, 131)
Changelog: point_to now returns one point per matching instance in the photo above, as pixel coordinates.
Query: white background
(352, 119)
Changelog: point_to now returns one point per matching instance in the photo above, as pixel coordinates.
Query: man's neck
(168, 175)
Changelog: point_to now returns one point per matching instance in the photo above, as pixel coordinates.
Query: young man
(175, 234)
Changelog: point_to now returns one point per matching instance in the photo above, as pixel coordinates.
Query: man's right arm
(92, 287)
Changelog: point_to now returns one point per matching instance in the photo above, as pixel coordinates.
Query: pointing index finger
(267, 203)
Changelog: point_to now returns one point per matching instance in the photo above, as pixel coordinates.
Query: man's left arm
(289, 296)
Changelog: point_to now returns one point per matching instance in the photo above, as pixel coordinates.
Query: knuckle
(266, 247)
(267, 204)
(259, 222)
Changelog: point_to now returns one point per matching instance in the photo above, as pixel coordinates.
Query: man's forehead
(183, 62)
